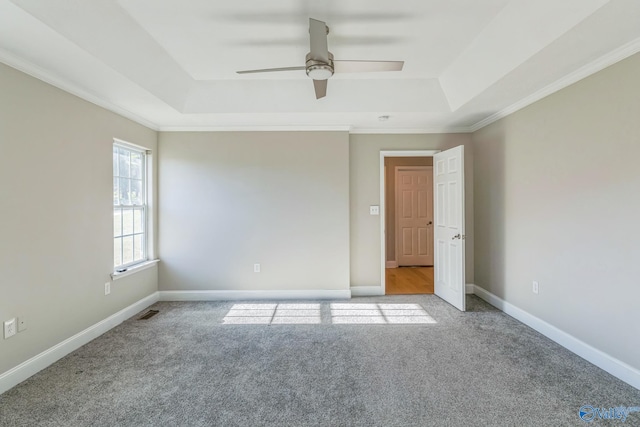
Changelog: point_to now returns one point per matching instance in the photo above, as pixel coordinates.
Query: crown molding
(309, 128)
(252, 128)
(461, 129)
(47, 77)
(593, 67)
(599, 64)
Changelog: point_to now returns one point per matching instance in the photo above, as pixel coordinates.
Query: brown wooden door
(414, 215)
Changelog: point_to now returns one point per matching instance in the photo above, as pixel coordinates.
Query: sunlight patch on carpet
(337, 314)
(273, 314)
(366, 313)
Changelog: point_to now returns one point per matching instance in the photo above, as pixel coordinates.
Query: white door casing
(383, 203)
(448, 187)
(414, 215)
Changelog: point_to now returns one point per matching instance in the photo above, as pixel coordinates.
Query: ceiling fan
(320, 64)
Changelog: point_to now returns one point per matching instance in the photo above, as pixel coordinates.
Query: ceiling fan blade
(366, 66)
(320, 87)
(270, 70)
(319, 50)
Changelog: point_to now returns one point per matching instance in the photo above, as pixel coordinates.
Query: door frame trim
(383, 236)
(397, 201)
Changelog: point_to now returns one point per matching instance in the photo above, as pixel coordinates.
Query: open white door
(448, 188)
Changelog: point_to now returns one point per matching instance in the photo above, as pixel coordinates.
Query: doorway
(448, 223)
(408, 240)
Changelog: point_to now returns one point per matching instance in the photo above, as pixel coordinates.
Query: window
(129, 206)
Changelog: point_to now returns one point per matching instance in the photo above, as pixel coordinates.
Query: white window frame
(143, 207)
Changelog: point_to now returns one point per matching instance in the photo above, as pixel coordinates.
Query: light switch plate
(374, 210)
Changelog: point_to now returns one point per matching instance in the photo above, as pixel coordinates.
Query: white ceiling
(170, 64)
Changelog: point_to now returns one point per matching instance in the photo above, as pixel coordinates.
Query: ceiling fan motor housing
(319, 70)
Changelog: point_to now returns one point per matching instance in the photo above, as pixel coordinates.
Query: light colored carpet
(185, 367)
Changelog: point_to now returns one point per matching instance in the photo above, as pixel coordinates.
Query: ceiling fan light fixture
(320, 71)
(320, 65)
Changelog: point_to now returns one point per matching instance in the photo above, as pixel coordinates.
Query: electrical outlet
(22, 324)
(9, 328)
(536, 287)
(107, 288)
(374, 210)
(256, 268)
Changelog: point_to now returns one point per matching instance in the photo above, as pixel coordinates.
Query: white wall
(56, 216)
(557, 200)
(229, 200)
(364, 178)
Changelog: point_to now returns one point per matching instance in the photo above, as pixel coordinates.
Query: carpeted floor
(187, 367)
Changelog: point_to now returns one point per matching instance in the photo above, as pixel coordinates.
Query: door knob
(458, 236)
(430, 222)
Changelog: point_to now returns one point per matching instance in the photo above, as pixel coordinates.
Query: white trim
(255, 128)
(46, 76)
(593, 67)
(383, 237)
(37, 363)
(407, 153)
(469, 288)
(131, 146)
(418, 131)
(316, 128)
(231, 295)
(371, 291)
(391, 264)
(134, 269)
(615, 367)
(366, 291)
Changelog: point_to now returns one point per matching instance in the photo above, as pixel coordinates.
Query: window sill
(134, 269)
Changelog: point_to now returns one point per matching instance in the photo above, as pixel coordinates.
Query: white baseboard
(366, 291)
(253, 295)
(391, 264)
(372, 291)
(37, 363)
(615, 367)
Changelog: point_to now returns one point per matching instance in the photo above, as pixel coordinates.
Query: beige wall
(390, 164)
(557, 201)
(229, 200)
(56, 220)
(364, 176)
(551, 190)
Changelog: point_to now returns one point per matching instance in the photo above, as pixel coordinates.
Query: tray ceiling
(171, 64)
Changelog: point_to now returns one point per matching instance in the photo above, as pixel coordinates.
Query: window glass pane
(117, 222)
(138, 221)
(127, 250)
(115, 161)
(127, 221)
(136, 165)
(117, 252)
(125, 194)
(137, 247)
(124, 164)
(116, 191)
(129, 226)
(136, 192)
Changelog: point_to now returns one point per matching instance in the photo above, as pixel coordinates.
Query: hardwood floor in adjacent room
(409, 280)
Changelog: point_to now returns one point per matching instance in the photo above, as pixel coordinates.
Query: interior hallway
(409, 280)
